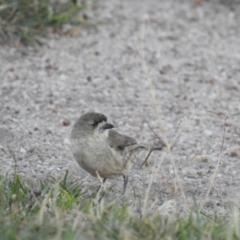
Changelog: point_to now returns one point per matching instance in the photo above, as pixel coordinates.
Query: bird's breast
(95, 154)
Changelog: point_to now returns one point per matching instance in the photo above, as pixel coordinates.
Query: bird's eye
(95, 124)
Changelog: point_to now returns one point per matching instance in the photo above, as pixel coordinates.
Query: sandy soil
(192, 54)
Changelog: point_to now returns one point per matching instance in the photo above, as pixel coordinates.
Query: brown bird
(100, 150)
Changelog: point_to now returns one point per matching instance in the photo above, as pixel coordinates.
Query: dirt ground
(191, 60)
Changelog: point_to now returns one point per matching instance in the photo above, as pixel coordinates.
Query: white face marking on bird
(99, 132)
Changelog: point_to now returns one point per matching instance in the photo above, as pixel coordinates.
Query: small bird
(100, 150)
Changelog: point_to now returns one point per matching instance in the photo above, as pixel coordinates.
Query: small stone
(66, 142)
(234, 154)
(48, 131)
(22, 150)
(212, 80)
(208, 133)
(66, 122)
(31, 150)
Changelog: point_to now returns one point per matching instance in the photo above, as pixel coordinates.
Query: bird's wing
(119, 142)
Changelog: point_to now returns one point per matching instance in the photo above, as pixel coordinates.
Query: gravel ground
(192, 54)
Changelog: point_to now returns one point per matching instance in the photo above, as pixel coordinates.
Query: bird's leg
(99, 187)
(125, 179)
(99, 200)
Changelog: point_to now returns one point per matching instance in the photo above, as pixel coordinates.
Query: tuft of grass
(26, 18)
(61, 209)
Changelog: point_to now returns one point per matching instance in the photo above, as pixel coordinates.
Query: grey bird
(100, 150)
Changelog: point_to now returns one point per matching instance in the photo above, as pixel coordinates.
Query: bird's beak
(107, 126)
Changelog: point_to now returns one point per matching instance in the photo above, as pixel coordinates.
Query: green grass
(61, 209)
(27, 18)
